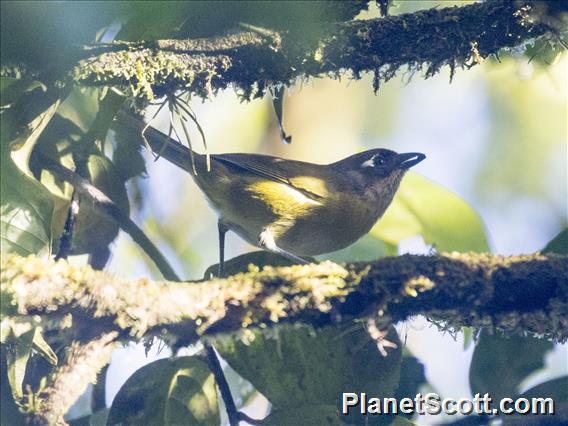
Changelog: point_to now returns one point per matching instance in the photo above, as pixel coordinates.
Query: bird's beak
(409, 159)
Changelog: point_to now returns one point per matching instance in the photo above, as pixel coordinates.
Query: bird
(288, 207)
(296, 208)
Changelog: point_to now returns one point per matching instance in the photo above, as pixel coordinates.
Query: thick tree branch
(518, 294)
(254, 58)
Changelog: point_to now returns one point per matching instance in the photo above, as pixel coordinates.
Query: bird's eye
(379, 160)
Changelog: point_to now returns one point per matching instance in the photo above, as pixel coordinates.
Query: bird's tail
(160, 144)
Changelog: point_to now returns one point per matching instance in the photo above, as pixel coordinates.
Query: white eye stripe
(370, 162)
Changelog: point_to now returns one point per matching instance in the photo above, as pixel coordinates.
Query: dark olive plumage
(297, 208)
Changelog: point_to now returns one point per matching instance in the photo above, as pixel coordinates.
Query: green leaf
(317, 415)
(552, 394)
(411, 378)
(26, 211)
(9, 414)
(299, 366)
(243, 262)
(167, 392)
(500, 364)
(402, 421)
(17, 355)
(94, 229)
(60, 142)
(127, 156)
(43, 348)
(556, 389)
(366, 249)
(558, 244)
(12, 88)
(442, 218)
(98, 418)
(26, 207)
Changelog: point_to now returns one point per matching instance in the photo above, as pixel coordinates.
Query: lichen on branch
(518, 294)
(253, 59)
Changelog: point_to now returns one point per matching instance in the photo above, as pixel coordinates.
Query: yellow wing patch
(282, 199)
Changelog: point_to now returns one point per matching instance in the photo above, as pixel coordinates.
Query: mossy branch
(517, 294)
(255, 58)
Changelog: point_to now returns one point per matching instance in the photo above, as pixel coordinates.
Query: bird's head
(378, 172)
(382, 163)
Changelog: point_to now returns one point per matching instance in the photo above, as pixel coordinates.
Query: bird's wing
(275, 169)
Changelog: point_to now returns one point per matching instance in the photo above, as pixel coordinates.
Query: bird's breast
(333, 225)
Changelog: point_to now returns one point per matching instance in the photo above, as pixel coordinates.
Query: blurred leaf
(96, 419)
(270, 15)
(150, 20)
(366, 249)
(80, 108)
(75, 139)
(558, 244)
(442, 218)
(26, 207)
(473, 420)
(500, 364)
(12, 88)
(23, 123)
(557, 390)
(127, 156)
(288, 367)
(45, 35)
(244, 261)
(100, 417)
(80, 421)
(9, 414)
(17, 356)
(402, 421)
(26, 211)
(526, 105)
(43, 348)
(167, 392)
(243, 392)
(93, 229)
(412, 377)
(310, 414)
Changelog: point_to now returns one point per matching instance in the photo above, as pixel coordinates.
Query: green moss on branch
(255, 59)
(518, 294)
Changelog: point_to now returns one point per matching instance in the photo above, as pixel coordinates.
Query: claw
(379, 337)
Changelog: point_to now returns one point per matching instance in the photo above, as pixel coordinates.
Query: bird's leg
(379, 336)
(266, 242)
(222, 231)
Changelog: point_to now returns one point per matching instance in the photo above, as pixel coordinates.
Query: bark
(518, 294)
(253, 59)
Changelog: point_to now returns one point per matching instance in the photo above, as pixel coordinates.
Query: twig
(222, 384)
(66, 239)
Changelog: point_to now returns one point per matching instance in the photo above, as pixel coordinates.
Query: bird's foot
(379, 336)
